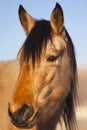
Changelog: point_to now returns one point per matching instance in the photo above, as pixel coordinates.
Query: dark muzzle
(21, 118)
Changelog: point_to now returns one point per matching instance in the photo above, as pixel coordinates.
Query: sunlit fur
(45, 91)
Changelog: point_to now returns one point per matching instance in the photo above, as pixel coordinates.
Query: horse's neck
(52, 122)
(49, 124)
(46, 126)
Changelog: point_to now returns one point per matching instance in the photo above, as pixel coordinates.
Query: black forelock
(36, 40)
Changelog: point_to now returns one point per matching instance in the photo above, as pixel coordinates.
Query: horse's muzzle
(24, 117)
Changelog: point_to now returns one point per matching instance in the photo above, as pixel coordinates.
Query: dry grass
(82, 95)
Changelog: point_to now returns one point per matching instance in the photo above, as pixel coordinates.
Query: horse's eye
(51, 58)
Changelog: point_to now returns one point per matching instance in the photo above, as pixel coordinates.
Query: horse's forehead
(57, 43)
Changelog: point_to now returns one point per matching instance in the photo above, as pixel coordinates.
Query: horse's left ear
(27, 21)
(57, 19)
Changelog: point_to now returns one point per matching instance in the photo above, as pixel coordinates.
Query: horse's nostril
(25, 112)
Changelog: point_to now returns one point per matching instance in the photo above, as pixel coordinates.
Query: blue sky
(12, 35)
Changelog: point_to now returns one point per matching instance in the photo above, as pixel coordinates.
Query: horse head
(46, 84)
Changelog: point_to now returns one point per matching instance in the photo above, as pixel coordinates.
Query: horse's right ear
(26, 20)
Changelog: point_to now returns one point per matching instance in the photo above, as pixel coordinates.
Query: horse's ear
(57, 19)
(26, 20)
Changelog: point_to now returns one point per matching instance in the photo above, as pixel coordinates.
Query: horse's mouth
(25, 124)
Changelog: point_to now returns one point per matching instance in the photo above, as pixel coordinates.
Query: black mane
(69, 114)
(32, 47)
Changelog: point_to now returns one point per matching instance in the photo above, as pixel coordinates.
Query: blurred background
(12, 37)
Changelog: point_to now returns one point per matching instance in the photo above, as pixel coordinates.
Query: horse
(45, 92)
